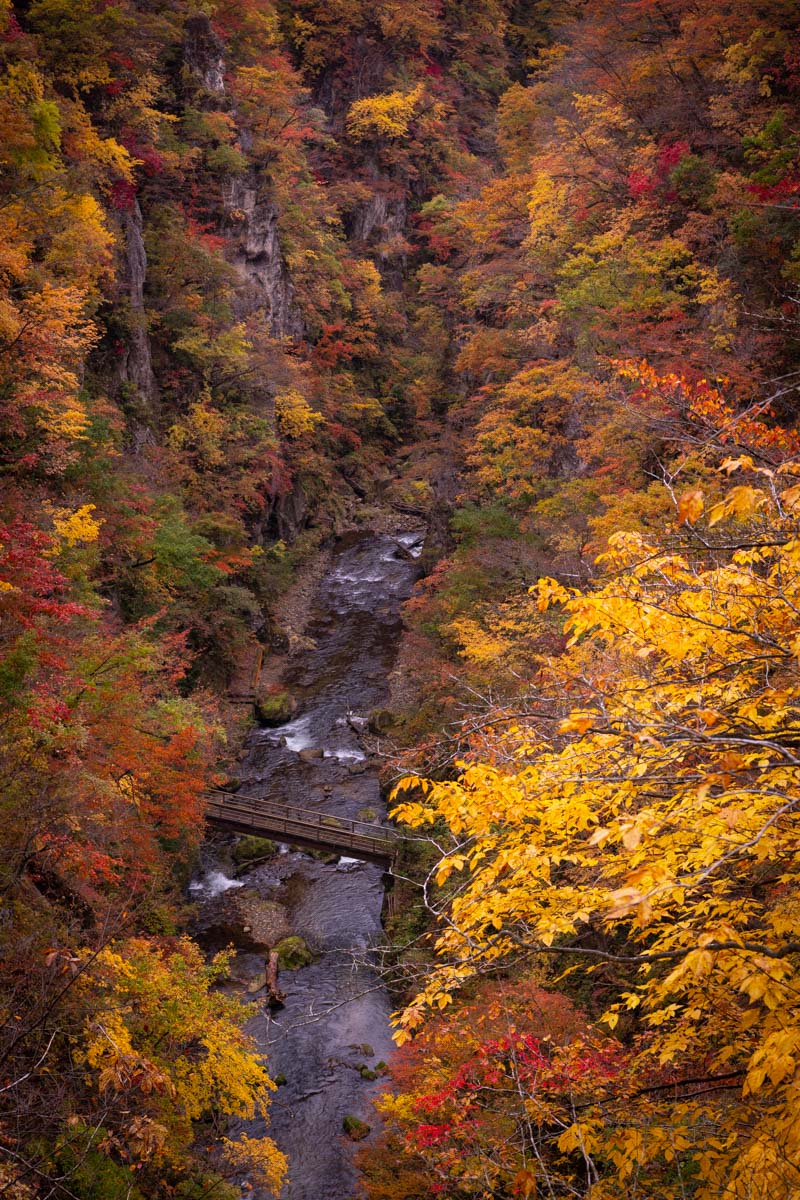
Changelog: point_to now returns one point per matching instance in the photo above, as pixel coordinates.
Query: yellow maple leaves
(294, 415)
(160, 1031)
(388, 115)
(664, 814)
(76, 526)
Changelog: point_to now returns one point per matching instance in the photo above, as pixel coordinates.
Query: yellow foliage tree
(294, 415)
(161, 1031)
(386, 116)
(78, 526)
(656, 829)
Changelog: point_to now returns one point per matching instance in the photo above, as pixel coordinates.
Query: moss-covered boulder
(356, 1129)
(329, 857)
(293, 953)
(362, 1048)
(275, 708)
(381, 720)
(251, 849)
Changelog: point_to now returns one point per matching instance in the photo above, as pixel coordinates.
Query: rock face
(252, 219)
(256, 253)
(203, 53)
(290, 513)
(380, 218)
(379, 225)
(137, 365)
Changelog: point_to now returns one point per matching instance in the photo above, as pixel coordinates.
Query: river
(334, 1027)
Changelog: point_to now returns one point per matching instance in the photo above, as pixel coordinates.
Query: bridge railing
(307, 816)
(299, 824)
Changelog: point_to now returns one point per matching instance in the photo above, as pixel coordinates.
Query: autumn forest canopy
(529, 272)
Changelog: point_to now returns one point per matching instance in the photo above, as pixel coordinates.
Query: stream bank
(328, 1042)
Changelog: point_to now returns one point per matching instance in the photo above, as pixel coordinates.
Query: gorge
(399, 411)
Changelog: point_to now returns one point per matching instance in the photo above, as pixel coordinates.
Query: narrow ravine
(334, 1028)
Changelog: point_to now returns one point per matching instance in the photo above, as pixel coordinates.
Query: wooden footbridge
(301, 827)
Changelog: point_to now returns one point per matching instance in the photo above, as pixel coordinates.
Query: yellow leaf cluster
(666, 814)
(76, 527)
(165, 1033)
(294, 415)
(388, 115)
(260, 1159)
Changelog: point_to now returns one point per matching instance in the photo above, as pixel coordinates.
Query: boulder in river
(245, 919)
(275, 708)
(293, 953)
(311, 754)
(356, 1129)
(253, 849)
(381, 720)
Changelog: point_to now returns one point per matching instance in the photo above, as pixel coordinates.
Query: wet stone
(312, 754)
(245, 919)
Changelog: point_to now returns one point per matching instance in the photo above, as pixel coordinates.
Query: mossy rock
(280, 1080)
(356, 1129)
(250, 848)
(275, 708)
(293, 953)
(381, 720)
(367, 814)
(328, 857)
(367, 1073)
(362, 1048)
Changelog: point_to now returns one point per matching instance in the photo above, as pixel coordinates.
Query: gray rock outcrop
(204, 54)
(136, 368)
(257, 256)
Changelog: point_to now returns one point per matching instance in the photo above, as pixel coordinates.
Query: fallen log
(275, 997)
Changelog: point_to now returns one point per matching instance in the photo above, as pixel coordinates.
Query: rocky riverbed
(327, 1044)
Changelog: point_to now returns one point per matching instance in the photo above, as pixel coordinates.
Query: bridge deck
(300, 826)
